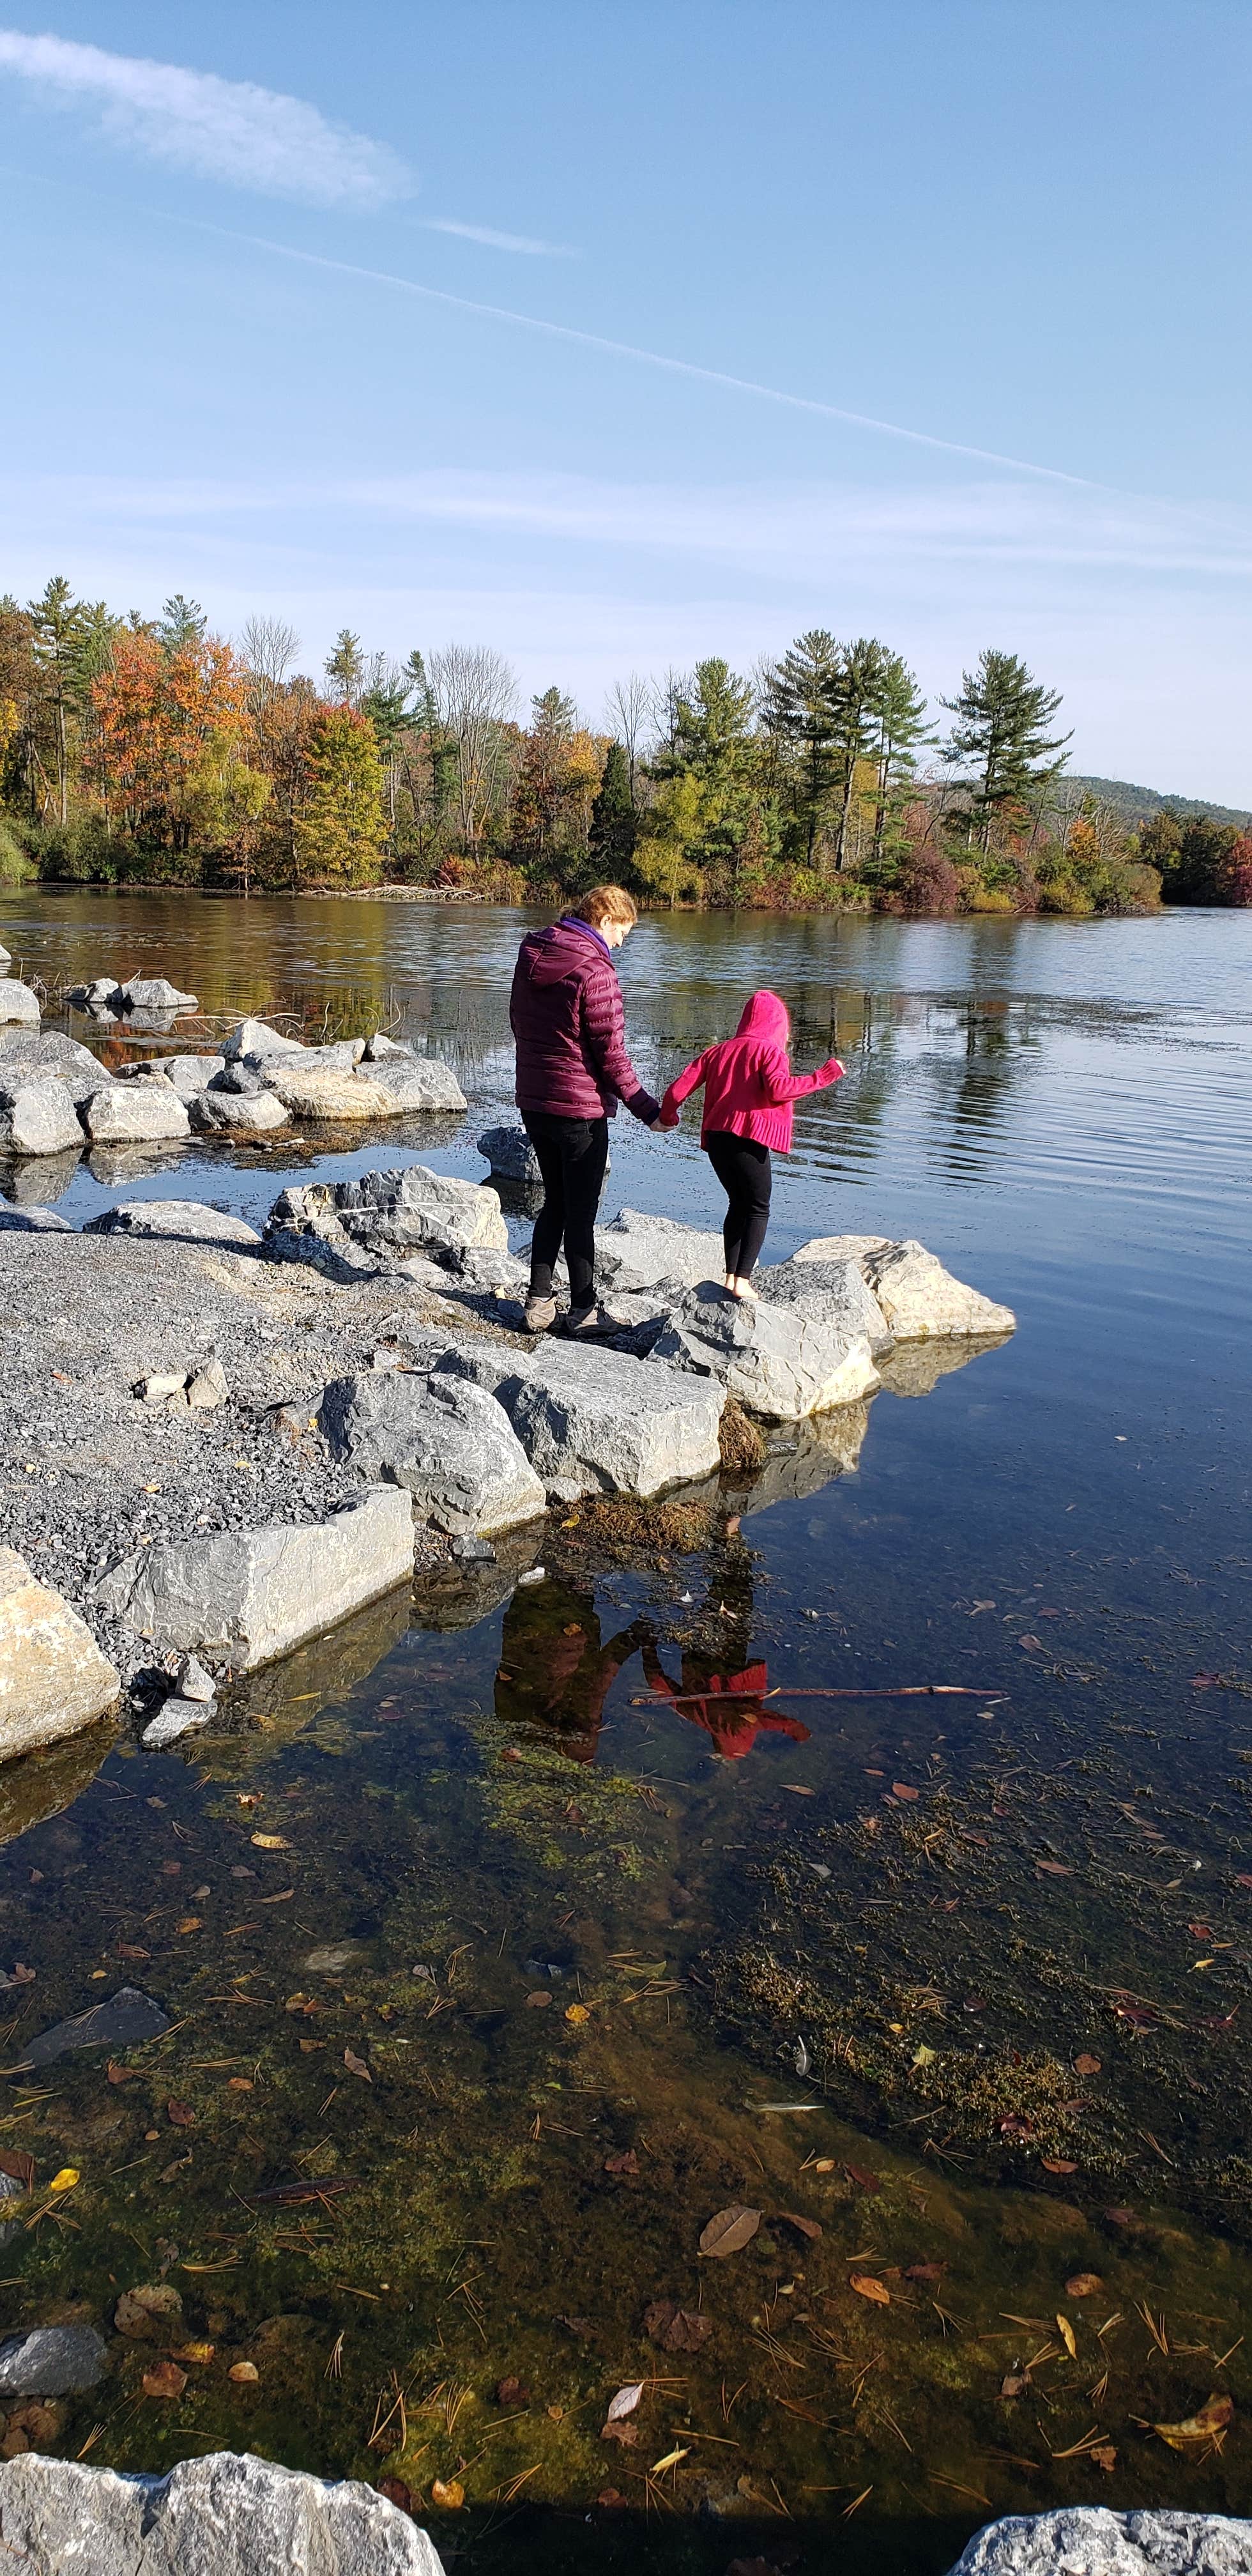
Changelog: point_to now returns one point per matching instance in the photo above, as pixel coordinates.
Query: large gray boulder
(327, 1095)
(417, 1082)
(40, 1051)
(422, 1211)
(53, 1677)
(511, 1156)
(832, 1292)
(1090, 2540)
(177, 1220)
(234, 1113)
(190, 1074)
(252, 1595)
(225, 2515)
(135, 1113)
(595, 1421)
(303, 1225)
(918, 1297)
(446, 1440)
(154, 993)
(637, 1250)
(37, 1115)
(779, 1360)
(18, 1003)
(257, 1038)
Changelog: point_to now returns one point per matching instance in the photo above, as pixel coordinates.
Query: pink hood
(748, 1082)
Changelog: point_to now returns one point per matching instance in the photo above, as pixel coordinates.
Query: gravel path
(88, 1470)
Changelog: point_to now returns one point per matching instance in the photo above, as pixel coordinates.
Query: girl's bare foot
(744, 1288)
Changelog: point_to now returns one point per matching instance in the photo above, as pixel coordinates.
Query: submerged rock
(596, 1421)
(780, 1361)
(448, 1442)
(172, 1720)
(117, 2021)
(53, 1677)
(227, 2515)
(185, 1220)
(254, 1594)
(1090, 2540)
(37, 1114)
(50, 2361)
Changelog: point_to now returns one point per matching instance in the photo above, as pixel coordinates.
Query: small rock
(118, 2021)
(50, 2361)
(256, 1037)
(193, 1681)
(186, 1220)
(171, 1721)
(473, 1551)
(163, 1384)
(207, 1387)
(154, 993)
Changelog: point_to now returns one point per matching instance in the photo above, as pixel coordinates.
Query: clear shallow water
(1062, 1112)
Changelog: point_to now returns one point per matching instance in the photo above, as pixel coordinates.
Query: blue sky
(1019, 232)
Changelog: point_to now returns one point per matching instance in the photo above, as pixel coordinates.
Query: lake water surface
(999, 1946)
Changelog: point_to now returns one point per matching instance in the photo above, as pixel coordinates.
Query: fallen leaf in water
(357, 2066)
(1086, 2065)
(537, 2003)
(925, 2271)
(149, 2314)
(864, 2180)
(1243, 1879)
(625, 2401)
(1121, 2217)
(729, 2230)
(797, 1789)
(190, 1923)
(510, 2392)
(901, 1789)
(120, 2074)
(581, 2328)
(311, 2047)
(676, 2329)
(803, 2226)
(627, 2434)
(65, 2179)
(824, 2164)
(244, 2373)
(577, 2013)
(198, 2354)
(867, 2287)
(19, 2166)
(1208, 2420)
(1066, 2333)
(271, 1842)
(1104, 2455)
(22, 1975)
(924, 2056)
(1083, 2285)
(1058, 2164)
(1033, 1645)
(447, 2492)
(397, 2493)
(131, 1950)
(612, 2500)
(670, 2461)
(165, 2380)
(180, 2115)
(625, 2163)
(1015, 2383)
(1054, 1868)
(240, 2084)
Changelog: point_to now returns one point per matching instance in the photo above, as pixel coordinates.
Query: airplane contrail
(643, 357)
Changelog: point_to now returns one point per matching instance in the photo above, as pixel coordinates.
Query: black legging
(746, 1174)
(572, 1154)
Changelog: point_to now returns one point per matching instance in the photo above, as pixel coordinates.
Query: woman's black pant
(746, 1174)
(572, 1154)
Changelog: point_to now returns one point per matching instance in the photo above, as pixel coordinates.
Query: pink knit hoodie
(748, 1083)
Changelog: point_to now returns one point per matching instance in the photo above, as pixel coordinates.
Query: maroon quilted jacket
(566, 1015)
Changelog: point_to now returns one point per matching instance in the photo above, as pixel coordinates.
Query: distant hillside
(1135, 804)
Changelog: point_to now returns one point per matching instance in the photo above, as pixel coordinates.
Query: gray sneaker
(540, 1314)
(584, 1323)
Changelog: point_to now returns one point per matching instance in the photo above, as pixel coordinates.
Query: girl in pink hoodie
(748, 1091)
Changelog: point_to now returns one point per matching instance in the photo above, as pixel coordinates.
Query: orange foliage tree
(157, 714)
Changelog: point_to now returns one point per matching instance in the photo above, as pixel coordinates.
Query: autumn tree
(157, 711)
(340, 832)
(1002, 717)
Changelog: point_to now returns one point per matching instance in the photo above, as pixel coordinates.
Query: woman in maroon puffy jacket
(572, 1069)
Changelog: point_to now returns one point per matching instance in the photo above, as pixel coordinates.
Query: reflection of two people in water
(556, 1669)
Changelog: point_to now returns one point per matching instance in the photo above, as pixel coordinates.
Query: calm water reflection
(522, 1800)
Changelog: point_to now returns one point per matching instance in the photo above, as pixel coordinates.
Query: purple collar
(570, 921)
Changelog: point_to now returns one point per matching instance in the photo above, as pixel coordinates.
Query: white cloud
(229, 130)
(497, 241)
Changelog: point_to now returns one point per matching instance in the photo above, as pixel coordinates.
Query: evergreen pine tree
(614, 822)
(1002, 716)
